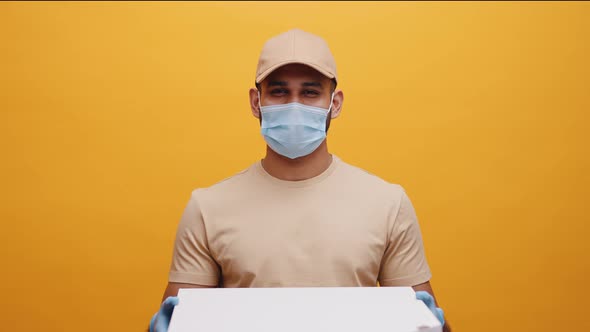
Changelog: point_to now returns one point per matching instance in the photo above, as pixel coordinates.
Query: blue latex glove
(161, 319)
(429, 301)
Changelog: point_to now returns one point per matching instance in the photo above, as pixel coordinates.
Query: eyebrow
(305, 84)
(277, 83)
(318, 84)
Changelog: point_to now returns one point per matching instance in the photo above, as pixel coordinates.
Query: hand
(161, 319)
(429, 301)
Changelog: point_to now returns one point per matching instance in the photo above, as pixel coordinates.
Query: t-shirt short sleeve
(192, 262)
(404, 262)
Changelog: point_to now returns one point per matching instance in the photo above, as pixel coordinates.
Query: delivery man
(300, 217)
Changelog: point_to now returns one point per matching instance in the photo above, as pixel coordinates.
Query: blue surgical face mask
(294, 130)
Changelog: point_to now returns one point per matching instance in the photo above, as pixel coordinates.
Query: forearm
(446, 327)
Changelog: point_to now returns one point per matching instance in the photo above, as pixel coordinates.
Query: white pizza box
(313, 309)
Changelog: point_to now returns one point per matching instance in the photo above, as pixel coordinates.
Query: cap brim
(272, 68)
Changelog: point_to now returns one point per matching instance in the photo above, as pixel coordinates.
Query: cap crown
(295, 46)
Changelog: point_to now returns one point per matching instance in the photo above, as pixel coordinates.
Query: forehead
(296, 72)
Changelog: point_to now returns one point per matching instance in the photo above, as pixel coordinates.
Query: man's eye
(311, 93)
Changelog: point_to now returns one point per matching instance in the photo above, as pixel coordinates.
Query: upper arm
(173, 287)
(192, 259)
(404, 261)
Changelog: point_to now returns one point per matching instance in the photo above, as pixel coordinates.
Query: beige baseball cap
(296, 46)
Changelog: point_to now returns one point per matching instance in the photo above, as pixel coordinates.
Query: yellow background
(111, 113)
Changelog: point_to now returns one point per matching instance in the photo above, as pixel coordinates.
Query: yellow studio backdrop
(111, 113)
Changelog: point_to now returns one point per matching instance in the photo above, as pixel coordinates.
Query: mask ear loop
(331, 100)
(259, 106)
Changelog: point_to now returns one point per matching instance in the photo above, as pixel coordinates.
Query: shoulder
(369, 182)
(235, 184)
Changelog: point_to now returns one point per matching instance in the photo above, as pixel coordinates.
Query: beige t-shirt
(344, 227)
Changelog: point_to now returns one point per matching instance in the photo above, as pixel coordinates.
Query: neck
(297, 169)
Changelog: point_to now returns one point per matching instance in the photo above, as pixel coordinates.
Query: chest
(300, 239)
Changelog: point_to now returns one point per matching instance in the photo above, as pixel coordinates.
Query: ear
(337, 103)
(254, 102)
